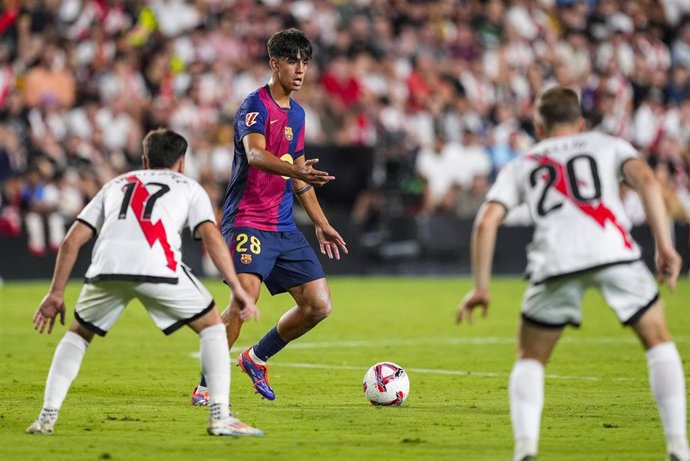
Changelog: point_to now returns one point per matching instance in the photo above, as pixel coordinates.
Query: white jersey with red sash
(138, 218)
(571, 187)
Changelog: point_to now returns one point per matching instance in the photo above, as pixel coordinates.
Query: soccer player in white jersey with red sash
(570, 183)
(138, 218)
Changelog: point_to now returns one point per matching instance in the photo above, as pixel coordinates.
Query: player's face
(291, 71)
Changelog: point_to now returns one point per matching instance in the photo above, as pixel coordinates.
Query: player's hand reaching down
(51, 306)
(330, 241)
(311, 175)
(668, 263)
(248, 309)
(473, 299)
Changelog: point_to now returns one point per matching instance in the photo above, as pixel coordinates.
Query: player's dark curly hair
(559, 105)
(163, 148)
(289, 43)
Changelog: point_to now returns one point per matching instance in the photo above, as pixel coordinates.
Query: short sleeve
(506, 188)
(200, 210)
(93, 213)
(299, 147)
(624, 151)
(299, 150)
(251, 117)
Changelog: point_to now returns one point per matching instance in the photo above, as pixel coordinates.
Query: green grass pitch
(131, 399)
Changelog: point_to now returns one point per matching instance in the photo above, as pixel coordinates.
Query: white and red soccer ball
(386, 384)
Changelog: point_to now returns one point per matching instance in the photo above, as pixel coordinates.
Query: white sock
(668, 386)
(65, 367)
(254, 357)
(526, 403)
(216, 368)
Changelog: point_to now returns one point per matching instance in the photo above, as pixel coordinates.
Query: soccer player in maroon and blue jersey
(258, 225)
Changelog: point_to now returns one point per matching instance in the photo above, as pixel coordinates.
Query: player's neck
(280, 94)
(563, 131)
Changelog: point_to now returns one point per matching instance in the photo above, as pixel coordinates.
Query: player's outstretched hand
(51, 306)
(668, 263)
(472, 300)
(330, 241)
(312, 176)
(248, 309)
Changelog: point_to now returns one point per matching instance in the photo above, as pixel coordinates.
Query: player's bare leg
(231, 315)
(535, 345)
(63, 370)
(666, 379)
(313, 305)
(233, 324)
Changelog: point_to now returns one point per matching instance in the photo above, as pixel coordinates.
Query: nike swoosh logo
(272, 122)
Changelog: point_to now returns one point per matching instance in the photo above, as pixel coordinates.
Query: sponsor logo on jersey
(246, 258)
(288, 133)
(250, 118)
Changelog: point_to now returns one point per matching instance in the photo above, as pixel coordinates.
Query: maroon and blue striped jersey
(255, 198)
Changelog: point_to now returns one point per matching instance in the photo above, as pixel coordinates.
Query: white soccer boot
(678, 449)
(232, 426)
(525, 450)
(44, 426)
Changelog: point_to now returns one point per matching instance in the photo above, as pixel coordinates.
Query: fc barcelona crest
(288, 133)
(246, 258)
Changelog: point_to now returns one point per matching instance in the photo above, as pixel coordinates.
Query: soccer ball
(386, 384)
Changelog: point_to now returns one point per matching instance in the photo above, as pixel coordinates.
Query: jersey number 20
(571, 186)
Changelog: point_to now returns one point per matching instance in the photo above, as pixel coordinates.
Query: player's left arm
(330, 241)
(53, 303)
(483, 245)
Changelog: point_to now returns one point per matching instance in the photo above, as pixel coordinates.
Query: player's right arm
(260, 158)
(53, 303)
(486, 224)
(218, 251)
(640, 177)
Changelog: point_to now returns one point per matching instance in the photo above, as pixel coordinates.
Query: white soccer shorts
(170, 306)
(629, 289)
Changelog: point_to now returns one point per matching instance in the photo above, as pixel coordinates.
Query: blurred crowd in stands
(441, 90)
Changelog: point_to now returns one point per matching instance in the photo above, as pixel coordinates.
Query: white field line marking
(432, 371)
(353, 344)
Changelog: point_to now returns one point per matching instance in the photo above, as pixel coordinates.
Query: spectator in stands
(10, 206)
(440, 166)
(51, 79)
(80, 80)
(40, 202)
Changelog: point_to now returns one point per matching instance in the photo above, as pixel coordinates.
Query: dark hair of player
(558, 106)
(289, 43)
(163, 148)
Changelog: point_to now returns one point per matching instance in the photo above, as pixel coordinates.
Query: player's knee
(320, 309)
(651, 327)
